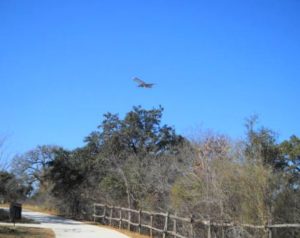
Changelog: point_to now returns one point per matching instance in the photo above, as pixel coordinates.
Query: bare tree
(32, 165)
(221, 186)
(4, 165)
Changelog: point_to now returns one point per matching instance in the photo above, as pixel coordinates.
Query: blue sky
(65, 63)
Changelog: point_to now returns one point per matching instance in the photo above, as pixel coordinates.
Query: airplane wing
(136, 79)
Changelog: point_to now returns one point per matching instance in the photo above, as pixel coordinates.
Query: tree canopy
(137, 161)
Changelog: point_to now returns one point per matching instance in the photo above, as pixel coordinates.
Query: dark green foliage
(287, 206)
(117, 164)
(114, 188)
(290, 150)
(65, 172)
(261, 145)
(139, 133)
(11, 188)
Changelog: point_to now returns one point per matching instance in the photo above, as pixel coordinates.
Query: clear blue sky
(65, 63)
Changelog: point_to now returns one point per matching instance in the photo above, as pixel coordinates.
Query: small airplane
(142, 84)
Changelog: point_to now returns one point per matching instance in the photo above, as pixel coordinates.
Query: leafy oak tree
(128, 145)
(127, 161)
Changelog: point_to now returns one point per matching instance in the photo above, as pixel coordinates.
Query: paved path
(66, 228)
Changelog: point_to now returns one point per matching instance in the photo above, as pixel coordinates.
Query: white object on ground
(66, 228)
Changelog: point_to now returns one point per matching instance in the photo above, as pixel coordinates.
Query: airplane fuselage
(146, 85)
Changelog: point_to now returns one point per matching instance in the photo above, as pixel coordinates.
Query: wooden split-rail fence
(108, 216)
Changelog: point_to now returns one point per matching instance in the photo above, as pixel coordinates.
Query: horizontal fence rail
(108, 213)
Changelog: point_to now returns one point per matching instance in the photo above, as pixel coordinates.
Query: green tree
(11, 188)
(290, 150)
(126, 145)
(261, 145)
(287, 207)
(139, 133)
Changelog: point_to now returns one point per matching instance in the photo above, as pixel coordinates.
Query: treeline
(137, 162)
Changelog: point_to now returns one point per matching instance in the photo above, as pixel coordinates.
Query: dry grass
(39, 209)
(25, 232)
(34, 208)
(125, 232)
(132, 234)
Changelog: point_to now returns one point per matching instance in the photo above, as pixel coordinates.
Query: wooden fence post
(94, 212)
(120, 220)
(192, 226)
(104, 214)
(129, 219)
(269, 232)
(223, 233)
(110, 215)
(151, 225)
(268, 229)
(175, 225)
(140, 224)
(208, 230)
(166, 225)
